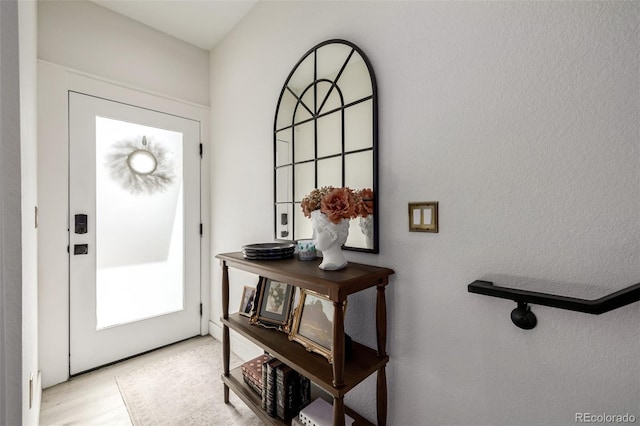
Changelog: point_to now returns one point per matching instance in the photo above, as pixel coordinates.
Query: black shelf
(524, 318)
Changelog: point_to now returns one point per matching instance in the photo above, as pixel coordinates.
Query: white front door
(134, 230)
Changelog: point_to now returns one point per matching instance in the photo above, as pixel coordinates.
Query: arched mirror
(326, 134)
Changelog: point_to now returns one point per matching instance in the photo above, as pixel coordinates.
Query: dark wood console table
(334, 379)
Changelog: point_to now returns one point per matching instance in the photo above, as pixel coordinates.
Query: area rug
(183, 389)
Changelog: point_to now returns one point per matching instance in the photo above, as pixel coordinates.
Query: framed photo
(247, 300)
(274, 304)
(313, 323)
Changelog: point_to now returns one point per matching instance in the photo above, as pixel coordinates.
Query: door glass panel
(139, 222)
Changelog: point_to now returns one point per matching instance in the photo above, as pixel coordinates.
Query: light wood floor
(94, 398)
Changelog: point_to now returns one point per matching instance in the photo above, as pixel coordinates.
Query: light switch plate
(423, 216)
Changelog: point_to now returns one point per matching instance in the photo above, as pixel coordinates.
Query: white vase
(329, 238)
(366, 226)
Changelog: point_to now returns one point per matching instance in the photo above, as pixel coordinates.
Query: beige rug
(183, 389)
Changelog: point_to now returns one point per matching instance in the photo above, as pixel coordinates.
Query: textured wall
(521, 119)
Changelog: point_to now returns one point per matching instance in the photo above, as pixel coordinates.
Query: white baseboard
(240, 346)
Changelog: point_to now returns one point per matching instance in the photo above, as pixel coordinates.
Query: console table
(334, 379)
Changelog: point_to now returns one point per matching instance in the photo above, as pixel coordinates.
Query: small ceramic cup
(306, 250)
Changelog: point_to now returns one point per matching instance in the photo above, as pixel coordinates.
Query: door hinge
(201, 230)
(201, 150)
(67, 249)
(201, 309)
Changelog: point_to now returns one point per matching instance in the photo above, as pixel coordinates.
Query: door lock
(81, 249)
(81, 224)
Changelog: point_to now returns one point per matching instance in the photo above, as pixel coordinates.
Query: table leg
(226, 348)
(381, 319)
(338, 411)
(381, 334)
(381, 396)
(338, 344)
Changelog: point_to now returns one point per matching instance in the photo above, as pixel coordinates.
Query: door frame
(54, 84)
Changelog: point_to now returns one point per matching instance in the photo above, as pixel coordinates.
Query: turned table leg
(381, 334)
(225, 330)
(338, 411)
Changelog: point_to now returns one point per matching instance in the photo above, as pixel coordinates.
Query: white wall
(90, 38)
(10, 221)
(521, 119)
(75, 40)
(27, 11)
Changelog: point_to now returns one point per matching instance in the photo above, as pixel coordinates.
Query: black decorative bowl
(268, 251)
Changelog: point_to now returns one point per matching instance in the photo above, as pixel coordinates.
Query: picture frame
(274, 304)
(423, 216)
(247, 301)
(312, 324)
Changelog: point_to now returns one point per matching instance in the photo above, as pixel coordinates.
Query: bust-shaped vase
(366, 226)
(329, 238)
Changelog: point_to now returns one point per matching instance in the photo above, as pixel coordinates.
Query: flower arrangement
(339, 203)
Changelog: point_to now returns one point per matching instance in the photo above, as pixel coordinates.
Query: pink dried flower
(339, 203)
(365, 207)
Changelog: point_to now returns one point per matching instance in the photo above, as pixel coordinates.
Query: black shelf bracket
(524, 318)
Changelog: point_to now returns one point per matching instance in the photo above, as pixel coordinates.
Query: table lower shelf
(236, 383)
(363, 362)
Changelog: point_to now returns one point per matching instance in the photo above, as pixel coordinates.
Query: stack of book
(284, 391)
(252, 372)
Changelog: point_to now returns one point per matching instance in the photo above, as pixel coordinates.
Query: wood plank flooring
(93, 398)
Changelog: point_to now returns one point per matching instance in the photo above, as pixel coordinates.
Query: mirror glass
(325, 134)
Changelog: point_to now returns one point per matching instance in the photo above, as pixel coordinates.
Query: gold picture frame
(423, 216)
(312, 325)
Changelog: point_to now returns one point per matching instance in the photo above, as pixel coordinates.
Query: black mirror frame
(374, 149)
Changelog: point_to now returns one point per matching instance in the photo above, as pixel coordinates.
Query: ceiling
(202, 23)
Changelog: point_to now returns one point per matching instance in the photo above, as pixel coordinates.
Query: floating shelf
(524, 318)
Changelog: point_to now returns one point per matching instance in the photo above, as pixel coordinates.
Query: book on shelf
(252, 372)
(303, 392)
(283, 390)
(320, 413)
(257, 387)
(287, 381)
(263, 390)
(293, 392)
(253, 367)
(269, 386)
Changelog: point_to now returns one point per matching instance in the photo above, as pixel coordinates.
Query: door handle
(80, 249)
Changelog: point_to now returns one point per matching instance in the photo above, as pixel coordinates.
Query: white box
(320, 413)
